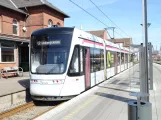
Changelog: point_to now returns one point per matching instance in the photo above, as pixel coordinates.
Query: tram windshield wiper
(56, 65)
(51, 69)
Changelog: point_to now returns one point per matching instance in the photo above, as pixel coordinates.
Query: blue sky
(127, 14)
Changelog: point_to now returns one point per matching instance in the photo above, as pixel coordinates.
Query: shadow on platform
(24, 83)
(115, 89)
(114, 97)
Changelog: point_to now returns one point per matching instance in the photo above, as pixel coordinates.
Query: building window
(7, 52)
(50, 23)
(15, 27)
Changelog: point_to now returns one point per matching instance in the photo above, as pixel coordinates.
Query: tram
(67, 61)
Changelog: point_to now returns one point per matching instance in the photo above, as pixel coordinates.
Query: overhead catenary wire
(108, 18)
(91, 15)
(95, 18)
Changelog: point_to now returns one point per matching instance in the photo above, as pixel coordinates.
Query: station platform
(108, 100)
(14, 84)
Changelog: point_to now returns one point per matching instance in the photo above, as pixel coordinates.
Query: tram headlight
(46, 82)
(34, 81)
(58, 81)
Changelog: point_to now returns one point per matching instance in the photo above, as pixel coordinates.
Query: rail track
(28, 111)
(13, 111)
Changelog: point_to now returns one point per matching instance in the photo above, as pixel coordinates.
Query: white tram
(67, 61)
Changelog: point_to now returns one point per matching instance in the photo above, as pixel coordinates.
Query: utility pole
(145, 34)
(113, 30)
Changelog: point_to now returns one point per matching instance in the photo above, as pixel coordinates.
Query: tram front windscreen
(49, 53)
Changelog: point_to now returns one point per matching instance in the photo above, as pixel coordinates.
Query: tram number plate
(46, 82)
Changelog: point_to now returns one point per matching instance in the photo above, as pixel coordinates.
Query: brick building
(125, 42)
(18, 19)
(100, 33)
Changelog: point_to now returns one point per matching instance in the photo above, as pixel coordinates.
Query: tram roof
(82, 34)
(52, 30)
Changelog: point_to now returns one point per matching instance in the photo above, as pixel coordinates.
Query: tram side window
(110, 59)
(74, 65)
(107, 60)
(81, 59)
(131, 58)
(126, 58)
(122, 58)
(97, 60)
(102, 60)
(115, 59)
(91, 59)
(118, 56)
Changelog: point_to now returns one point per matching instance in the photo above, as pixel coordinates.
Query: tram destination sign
(43, 43)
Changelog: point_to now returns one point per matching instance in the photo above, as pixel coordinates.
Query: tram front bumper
(45, 90)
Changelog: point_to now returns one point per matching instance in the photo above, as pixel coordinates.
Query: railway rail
(13, 111)
(28, 111)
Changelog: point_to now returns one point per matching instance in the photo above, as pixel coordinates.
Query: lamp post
(145, 38)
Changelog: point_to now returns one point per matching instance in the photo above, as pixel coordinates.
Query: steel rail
(15, 110)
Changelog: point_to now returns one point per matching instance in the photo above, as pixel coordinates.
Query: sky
(126, 14)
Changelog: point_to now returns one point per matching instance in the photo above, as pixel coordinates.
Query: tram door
(87, 68)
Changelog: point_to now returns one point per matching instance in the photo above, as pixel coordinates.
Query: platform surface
(14, 84)
(109, 100)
